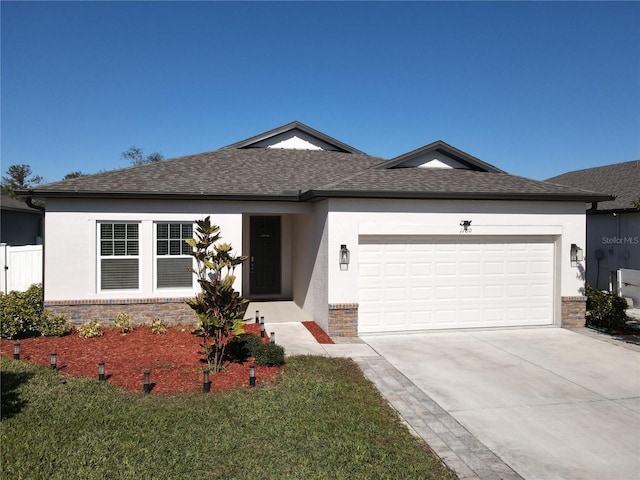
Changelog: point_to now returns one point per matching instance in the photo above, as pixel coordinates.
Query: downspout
(29, 202)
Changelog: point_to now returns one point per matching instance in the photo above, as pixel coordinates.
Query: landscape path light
(101, 375)
(273, 337)
(257, 316)
(262, 329)
(16, 351)
(252, 375)
(146, 386)
(53, 361)
(206, 383)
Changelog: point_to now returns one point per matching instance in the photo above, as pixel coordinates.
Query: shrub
(20, 312)
(605, 309)
(53, 325)
(243, 346)
(123, 322)
(269, 354)
(157, 327)
(90, 329)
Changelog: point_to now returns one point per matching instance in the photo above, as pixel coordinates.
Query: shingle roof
(619, 179)
(238, 172)
(9, 203)
(253, 172)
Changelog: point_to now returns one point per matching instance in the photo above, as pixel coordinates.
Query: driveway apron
(551, 403)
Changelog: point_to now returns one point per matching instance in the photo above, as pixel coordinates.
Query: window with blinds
(119, 256)
(173, 255)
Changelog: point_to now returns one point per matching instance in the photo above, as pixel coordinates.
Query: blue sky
(536, 89)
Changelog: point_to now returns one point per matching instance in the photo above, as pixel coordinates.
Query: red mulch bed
(317, 332)
(175, 359)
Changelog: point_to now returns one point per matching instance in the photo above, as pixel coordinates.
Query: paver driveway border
(549, 402)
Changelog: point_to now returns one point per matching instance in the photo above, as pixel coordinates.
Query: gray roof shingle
(619, 179)
(240, 172)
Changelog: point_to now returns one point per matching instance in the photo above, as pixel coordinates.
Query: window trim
(100, 256)
(157, 257)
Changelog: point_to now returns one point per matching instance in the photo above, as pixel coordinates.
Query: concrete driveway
(551, 403)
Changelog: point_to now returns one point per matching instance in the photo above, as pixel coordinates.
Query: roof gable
(295, 136)
(440, 155)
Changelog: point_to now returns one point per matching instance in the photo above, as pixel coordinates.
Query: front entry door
(265, 255)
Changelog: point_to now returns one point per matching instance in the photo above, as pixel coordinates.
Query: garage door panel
(426, 284)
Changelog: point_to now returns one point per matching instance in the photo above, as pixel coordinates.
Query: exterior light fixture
(146, 386)
(576, 256)
(206, 383)
(345, 257)
(252, 375)
(16, 351)
(262, 328)
(53, 360)
(257, 316)
(465, 226)
(101, 375)
(272, 338)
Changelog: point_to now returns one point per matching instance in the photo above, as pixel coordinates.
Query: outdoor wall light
(252, 375)
(16, 351)
(206, 383)
(146, 385)
(53, 361)
(257, 316)
(262, 328)
(101, 375)
(345, 257)
(272, 338)
(465, 226)
(576, 256)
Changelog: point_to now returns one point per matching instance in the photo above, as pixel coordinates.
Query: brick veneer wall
(573, 311)
(171, 310)
(343, 319)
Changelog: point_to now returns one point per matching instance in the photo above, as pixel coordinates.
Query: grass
(321, 420)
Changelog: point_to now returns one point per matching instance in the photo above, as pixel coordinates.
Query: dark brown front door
(265, 255)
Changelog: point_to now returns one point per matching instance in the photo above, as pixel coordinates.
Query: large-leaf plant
(218, 306)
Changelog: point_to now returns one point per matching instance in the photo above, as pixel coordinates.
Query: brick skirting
(343, 319)
(573, 311)
(170, 310)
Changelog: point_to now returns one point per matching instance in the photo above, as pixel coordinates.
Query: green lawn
(321, 419)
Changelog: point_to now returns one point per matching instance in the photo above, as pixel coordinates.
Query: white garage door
(424, 283)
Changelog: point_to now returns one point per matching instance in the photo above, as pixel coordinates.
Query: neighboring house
(613, 227)
(432, 239)
(20, 224)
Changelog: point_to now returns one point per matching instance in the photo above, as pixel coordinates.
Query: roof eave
(292, 196)
(312, 195)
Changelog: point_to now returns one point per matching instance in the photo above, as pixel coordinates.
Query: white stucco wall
(310, 263)
(349, 218)
(71, 251)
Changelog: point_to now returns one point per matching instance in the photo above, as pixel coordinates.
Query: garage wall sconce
(465, 226)
(345, 257)
(576, 256)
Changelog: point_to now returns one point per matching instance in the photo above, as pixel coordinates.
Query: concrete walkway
(454, 444)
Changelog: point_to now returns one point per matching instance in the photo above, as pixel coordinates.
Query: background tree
(73, 175)
(19, 177)
(136, 156)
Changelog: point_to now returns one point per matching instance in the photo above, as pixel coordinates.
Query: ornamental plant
(90, 329)
(123, 322)
(157, 327)
(218, 306)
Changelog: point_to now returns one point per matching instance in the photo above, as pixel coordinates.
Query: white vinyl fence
(629, 285)
(21, 267)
